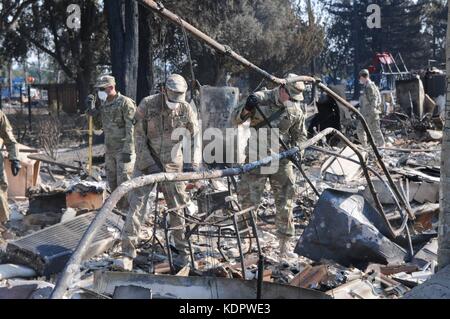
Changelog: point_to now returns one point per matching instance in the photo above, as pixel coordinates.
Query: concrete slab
(437, 287)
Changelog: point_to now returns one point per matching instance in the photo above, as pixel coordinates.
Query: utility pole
(444, 215)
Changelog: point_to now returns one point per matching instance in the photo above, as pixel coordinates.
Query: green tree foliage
(11, 45)
(435, 21)
(77, 52)
(416, 29)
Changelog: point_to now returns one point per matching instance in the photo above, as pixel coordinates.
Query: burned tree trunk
(83, 49)
(145, 70)
(123, 30)
(444, 217)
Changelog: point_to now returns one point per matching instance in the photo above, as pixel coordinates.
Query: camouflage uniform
(292, 130)
(116, 117)
(7, 136)
(155, 124)
(370, 107)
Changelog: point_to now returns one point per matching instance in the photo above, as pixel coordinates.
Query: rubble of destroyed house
(343, 246)
(366, 218)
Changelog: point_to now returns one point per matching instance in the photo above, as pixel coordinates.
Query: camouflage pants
(252, 186)
(373, 121)
(139, 205)
(118, 172)
(4, 207)
(174, 195)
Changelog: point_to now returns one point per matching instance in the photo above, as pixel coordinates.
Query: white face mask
(172, 105)
(102, 95)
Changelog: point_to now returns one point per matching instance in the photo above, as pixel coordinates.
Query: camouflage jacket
(6, 134)
(370, 100)
(155, 125)
(291, 123)
(117, 120)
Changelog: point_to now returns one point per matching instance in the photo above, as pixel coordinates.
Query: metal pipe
(260, 276)
(29, 105)
(239, 244)
(167, 238)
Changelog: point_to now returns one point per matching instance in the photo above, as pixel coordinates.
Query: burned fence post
(29, 105)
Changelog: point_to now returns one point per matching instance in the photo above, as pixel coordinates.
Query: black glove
(126, 158)
(15, 167)
(252, 102)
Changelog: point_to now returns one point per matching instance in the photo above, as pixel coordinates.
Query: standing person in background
(116, 117)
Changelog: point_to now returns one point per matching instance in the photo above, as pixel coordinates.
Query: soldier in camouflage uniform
(157, 117)
(7, 136)
(370, 105)
(116, 116)
(287, 102)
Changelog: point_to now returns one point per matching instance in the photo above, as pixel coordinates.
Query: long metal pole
(29, 105)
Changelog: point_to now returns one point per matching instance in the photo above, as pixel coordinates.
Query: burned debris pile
(350, 213)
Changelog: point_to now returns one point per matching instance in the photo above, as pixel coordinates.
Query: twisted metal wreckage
(72, 266)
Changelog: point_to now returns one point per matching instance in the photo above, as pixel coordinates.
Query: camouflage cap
(105, 81)
(176, 83)
(364, 72)
(295, 89)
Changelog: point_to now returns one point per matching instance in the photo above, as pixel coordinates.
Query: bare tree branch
(6, 25)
